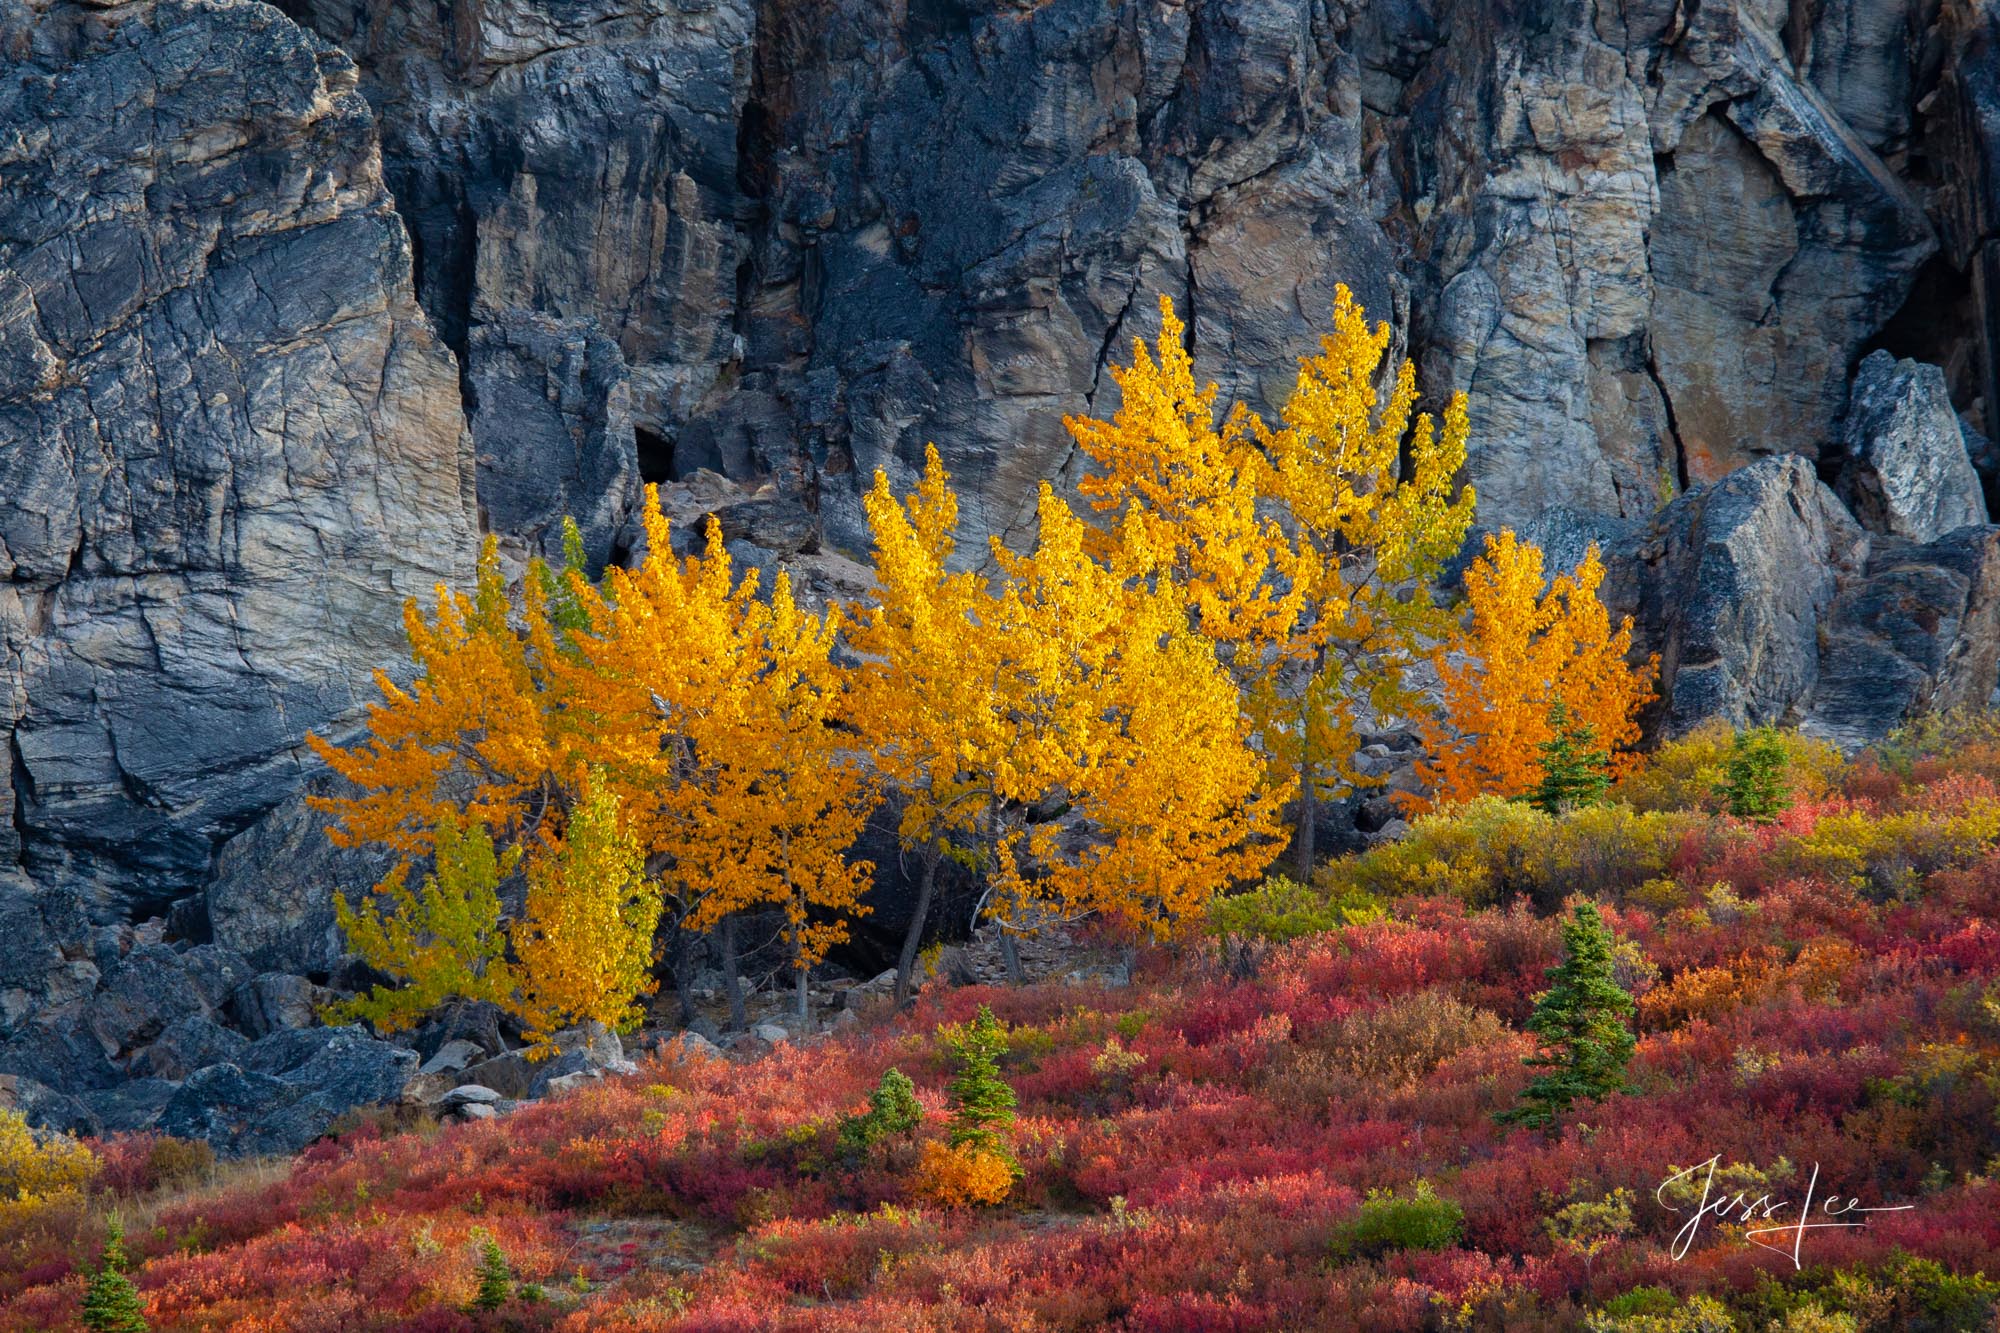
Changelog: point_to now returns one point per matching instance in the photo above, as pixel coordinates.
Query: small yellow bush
(1491, 850)
(1684, 774)
(964, 1175)
(38, 1167)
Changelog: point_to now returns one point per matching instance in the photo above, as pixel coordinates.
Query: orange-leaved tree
(792, 794)
(724, 721)
(1529, 644)
(655, 681)
(473, 739)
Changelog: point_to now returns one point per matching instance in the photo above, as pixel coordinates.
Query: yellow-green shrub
(1490, 850)
(1283, 909)
(1685, 774)
(37, 1167)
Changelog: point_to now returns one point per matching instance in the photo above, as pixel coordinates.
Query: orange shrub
(964, 1175)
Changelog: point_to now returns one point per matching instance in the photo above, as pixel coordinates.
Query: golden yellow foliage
(36, 1168)
(586, 941)
(958, 1176)
(789, 793)
(1122, 711)
(1320, 612)
(1526, 649)
(928, 687)
(1367, 481)
(1189, 488)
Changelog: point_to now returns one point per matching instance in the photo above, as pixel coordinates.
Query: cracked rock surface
(295, 302)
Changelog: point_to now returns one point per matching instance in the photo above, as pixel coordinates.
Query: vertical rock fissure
(1673, 427)
(22, 790)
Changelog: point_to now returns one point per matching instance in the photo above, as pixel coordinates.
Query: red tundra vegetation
(1290, 1123)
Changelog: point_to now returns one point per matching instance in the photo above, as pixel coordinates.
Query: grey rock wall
(294, 305)
(230, 443)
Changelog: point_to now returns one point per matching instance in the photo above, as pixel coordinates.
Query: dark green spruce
(111, 1303)
(1584, 1023)
(1575, 770)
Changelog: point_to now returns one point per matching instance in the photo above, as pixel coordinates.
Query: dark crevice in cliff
(656, 456)
(1938, 323)
(1652, 363)
(23, 790)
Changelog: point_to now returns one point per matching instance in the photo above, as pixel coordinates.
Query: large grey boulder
(1908, 472)
(1732, 586)
(132, 1106)
(234, 1110)
(588, 1049)
(1919, 632)
(276, 1002)
(150, 990)
(43, 1107)
(287, 1090)
(187, 1045)
(1768, 603)
(230, 444)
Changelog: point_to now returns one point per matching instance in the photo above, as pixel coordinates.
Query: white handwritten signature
(1741, 1208)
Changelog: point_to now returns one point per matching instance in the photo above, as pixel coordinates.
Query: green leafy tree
(982, 1103)
(1754, 780)
(1584, 1023)
(444, 940)
(111, 1303)
(1575, 769)
(893, 1111)
(496, 1276)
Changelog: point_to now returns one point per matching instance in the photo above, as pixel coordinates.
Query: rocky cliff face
(292, 305)
(1651, 240)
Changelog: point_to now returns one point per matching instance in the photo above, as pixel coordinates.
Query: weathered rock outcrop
(1733, 584)
(552, 421)
(1649, 240)
(1907, 472)
(758, 249)
(230, 444)
(1768, 603)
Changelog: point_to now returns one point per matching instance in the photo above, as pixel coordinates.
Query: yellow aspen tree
(793, 796)
(927, 701)
(1528, 645)
(1190, 485)
(1307, 551)
(1125, 716)
(1060, 619)
(585, 942)
(1367, 483)
(1170, 803)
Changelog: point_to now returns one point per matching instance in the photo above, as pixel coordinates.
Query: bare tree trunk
(1010, 950)
(1308, 803)
(732, 985)
(906, 961)
(805, 1012)
(677, 963)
